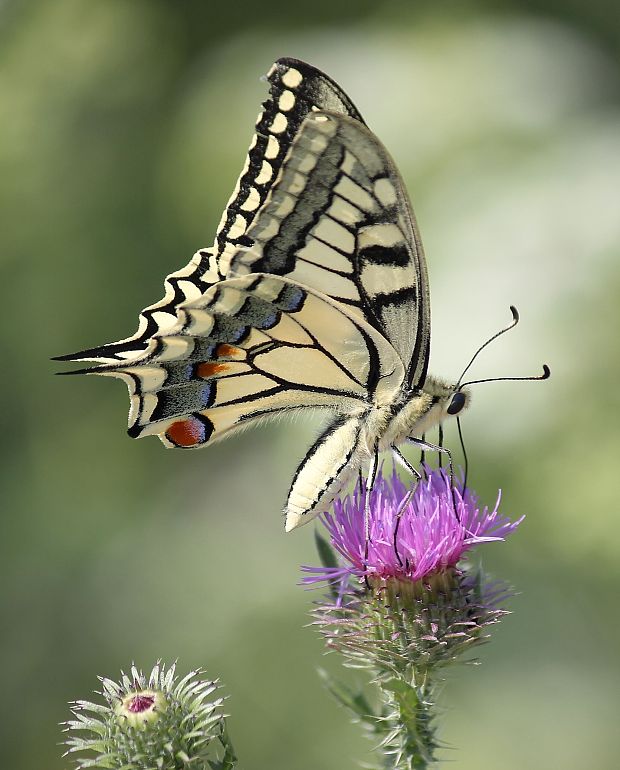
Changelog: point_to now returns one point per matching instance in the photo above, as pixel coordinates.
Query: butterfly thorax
(416, 412)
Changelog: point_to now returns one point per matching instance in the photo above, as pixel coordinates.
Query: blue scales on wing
(248, 349)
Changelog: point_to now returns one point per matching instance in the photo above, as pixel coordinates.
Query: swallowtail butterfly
(314, 296)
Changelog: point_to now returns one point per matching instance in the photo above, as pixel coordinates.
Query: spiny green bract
(154, 722)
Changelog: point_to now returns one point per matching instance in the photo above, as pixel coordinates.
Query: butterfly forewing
(338, 219)
(295, 90)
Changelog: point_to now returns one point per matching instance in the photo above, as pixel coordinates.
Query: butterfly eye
(457, 403)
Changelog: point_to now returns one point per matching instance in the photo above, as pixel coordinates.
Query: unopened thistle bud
(159, 722)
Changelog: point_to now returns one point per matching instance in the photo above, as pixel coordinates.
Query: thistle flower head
(147, 722)
(405, 600)
(426, 537)
(403, 604)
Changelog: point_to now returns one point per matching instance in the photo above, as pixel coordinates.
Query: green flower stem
(410, 740)
(405, 635)
(409, 737)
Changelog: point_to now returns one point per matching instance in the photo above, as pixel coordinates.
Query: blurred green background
(123, 127)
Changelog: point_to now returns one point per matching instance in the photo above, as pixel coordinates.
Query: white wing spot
(148, 404)
(304, 163)
(252, 202)
(318, 142)
(385, 192)
(266, 228)
(348, 163)
(200, 322)
(386, 234)
(286, 101)
(174, 348)
(292, 78)
(378, 280)
(266, 173)
(151, 378)
(266, 288)
(297, 183)
(237, 228)
(273, 147)
(279, 124)
(163, 320)
(229, 250)
(190, 290)
(322, 123)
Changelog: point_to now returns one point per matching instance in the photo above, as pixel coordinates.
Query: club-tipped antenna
(514, 322)
(544, 376)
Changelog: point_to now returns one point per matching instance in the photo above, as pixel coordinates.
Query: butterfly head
(458, 401)
(440, 400)
(446, 400)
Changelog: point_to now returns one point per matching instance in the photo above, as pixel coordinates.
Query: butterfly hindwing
(249, 349)
(338, 219)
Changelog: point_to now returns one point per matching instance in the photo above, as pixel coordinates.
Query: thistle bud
(150, 722)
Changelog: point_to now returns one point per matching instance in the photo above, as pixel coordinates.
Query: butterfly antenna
(465, 460)
(544, 376)
(515, 321)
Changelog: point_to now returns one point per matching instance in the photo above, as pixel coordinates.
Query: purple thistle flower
(437, 526)
(425, 609)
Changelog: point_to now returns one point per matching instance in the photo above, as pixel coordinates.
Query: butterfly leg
(423, 456)
(439, 442)
(370, 482)
(425, 446)
(402, 460)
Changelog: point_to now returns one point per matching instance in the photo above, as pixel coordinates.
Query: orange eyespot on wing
(209, 369)
(191, 432)
(224, 350)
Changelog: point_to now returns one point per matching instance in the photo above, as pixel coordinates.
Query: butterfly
(314, 295)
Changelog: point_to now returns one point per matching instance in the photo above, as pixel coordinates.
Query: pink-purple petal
(431, 537)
